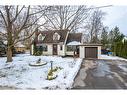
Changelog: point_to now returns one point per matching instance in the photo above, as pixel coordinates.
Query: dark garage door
(91, 52)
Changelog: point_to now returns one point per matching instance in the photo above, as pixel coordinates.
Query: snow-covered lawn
(112, 57)
(19, 74)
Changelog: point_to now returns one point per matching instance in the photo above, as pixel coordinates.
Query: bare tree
(66, 17)
(13, 22)
(95, 25)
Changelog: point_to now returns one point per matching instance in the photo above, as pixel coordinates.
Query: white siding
(81, 52)
(99, 52)
(61, 52)
(50, 49)
(32, 49)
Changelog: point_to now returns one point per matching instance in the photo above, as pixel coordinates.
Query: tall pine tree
(104, 37)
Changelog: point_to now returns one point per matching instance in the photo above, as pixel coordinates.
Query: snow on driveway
(102, 69)
(19, 74)
(120, 64)
(112, 57)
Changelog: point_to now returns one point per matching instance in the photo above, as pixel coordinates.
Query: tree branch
(3, 18)
(17, 13)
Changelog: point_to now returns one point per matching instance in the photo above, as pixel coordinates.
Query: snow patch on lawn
(20, 75)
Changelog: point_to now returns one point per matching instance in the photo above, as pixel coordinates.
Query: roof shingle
(74, 37)
(49, 36)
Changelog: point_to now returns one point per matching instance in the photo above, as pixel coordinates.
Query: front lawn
(18, 74)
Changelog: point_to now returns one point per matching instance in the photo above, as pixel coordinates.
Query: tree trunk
(9, 55)
(9, 34)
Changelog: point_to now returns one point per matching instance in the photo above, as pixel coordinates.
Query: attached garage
(90, 51)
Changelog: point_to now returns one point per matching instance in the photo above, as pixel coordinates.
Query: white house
(64, 43)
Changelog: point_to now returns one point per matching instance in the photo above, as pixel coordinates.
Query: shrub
(37, 53)
(51, 74)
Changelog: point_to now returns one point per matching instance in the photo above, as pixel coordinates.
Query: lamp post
(51, 65)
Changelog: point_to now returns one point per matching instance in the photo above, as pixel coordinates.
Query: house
(20, 48)
(2, 48)
(64, 43)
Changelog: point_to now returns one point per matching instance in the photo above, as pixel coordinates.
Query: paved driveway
(102, 74)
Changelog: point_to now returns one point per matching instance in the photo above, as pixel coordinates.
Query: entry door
(91, 52)
(54, 49)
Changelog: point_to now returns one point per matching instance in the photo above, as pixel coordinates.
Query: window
(43, 38)
(44, 47)
(70, 48)
(56, 36)
(61, 47)
(39, 48)
(40, 37)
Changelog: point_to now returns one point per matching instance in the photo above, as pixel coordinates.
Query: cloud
(116, 16)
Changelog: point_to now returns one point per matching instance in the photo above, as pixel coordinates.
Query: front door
(54, 49)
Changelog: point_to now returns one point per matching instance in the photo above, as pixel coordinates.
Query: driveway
(102, 74)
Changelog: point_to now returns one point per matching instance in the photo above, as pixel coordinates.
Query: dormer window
(40, 37)
(56, 36)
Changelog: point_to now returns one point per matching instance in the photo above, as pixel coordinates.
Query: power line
(75, 10)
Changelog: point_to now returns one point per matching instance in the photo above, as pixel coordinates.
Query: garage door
(91, 52)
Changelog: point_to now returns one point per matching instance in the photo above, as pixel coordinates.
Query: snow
(19, 74)
(19, 45)
(123, 67)
(101, 70)
(124, 39)
(74, 43)
(5, 42)
(112, 57)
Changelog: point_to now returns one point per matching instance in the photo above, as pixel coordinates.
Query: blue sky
(116, 16)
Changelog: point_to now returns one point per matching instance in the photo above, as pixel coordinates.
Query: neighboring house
(20, 48)
(2, 48)
(63, 43)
